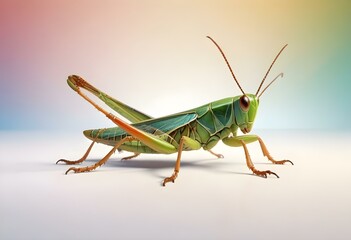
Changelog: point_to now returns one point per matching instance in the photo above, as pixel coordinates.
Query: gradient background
(154, 56)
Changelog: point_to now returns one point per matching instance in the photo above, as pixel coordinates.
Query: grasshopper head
(245, 107)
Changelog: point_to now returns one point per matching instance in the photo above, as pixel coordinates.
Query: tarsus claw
(71, 169)
(60, 160)
(273, 173)
(264, 173)
(169, 179)
(290, 162)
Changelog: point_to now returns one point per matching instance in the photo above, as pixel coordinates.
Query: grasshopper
(201, 127)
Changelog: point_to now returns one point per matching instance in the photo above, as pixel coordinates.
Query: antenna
(279, 75)
(219, 48)
(269, 69)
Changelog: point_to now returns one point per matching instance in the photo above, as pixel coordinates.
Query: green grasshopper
(201, 127)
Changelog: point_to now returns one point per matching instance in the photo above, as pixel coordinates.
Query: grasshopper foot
(130, 157)
(82, 169)
(264, 173)
(68, 162)
(71, 169)
(218, 155)
(170, 179)
(281, 161)
(75, 170)
(82, 159)
(268, 155)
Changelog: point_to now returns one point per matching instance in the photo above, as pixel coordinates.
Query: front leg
(266, 153)
(241, 141)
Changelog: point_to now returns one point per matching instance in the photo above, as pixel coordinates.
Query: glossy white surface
(211, 199)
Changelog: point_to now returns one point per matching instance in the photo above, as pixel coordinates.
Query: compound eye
(244, 103)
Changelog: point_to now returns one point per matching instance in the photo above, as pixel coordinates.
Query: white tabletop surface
(211, 199)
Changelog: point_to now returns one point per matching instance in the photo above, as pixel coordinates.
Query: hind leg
(82, 159)
(103, 160)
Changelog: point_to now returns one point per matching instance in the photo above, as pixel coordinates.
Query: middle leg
(184, 142)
